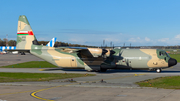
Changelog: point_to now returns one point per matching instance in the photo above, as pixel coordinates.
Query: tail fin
(52, 42)
(25, 35)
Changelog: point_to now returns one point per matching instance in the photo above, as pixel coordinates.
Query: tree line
(57, 44)
(64, 44)
(10, 42)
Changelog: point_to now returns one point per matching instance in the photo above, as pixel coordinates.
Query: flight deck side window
(159, 53)
(162, 53)
(167, 54)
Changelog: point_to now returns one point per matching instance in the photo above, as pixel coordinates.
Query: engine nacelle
(96, 52)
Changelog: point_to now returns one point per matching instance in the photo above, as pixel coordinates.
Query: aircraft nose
(172, 62)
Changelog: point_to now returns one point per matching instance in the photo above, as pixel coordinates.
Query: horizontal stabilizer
(52, 42)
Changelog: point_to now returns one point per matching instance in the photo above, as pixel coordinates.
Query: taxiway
(113, 85)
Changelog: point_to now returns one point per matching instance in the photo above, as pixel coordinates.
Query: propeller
(107, 52)
(104, 51)
(112, 52)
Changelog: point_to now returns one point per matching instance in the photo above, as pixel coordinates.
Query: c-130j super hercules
(91, 59)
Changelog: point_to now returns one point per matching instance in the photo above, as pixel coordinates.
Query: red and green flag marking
(25, 33)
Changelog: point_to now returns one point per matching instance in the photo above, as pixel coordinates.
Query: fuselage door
(73, 62)
(128, 62)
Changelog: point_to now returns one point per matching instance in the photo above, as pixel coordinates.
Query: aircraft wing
(91, 52)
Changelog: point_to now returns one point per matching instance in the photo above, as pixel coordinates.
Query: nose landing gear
(158, 70)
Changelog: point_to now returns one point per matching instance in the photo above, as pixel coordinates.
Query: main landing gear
(22, 53)
(103, 70)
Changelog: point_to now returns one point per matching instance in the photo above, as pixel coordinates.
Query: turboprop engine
(98, 52)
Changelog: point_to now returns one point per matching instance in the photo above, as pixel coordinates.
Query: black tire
(103, 70)
(22, 53)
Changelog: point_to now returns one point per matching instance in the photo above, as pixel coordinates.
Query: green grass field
(31, 64)
(24, 77)
(163, 82)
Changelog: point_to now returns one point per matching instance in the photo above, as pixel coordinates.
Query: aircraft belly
(92, 63)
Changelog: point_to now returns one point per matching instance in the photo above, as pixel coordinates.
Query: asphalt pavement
(113, 85)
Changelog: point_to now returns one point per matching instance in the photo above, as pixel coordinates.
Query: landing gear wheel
(22, 53)
(103, 70)
(97, 70)
(158, 70)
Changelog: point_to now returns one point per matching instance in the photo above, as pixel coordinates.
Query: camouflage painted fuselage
(90, 58)
(123, 58)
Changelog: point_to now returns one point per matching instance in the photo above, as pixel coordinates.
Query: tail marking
(25, 33)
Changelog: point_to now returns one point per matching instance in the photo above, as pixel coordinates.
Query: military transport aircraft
(91, 59)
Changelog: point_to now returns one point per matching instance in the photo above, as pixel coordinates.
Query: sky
(89, 22)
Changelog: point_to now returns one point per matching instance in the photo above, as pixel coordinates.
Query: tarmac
(113, 85)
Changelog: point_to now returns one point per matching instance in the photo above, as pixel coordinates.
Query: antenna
(103, 43)
(111, 44)
(6, 39)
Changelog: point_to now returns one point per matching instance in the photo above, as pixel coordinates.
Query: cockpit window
(163, 53)
(167, 55)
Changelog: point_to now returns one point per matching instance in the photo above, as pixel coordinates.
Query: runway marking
(46, 69)
(33, 94)
(42, 69)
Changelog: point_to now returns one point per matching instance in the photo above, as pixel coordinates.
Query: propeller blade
(104, 51)
(112, 52)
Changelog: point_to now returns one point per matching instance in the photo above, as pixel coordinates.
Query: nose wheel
(158, 70)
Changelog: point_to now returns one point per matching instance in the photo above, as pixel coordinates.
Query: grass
(25, 77)
(175, 56)
(162, 82)
(31, 64)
